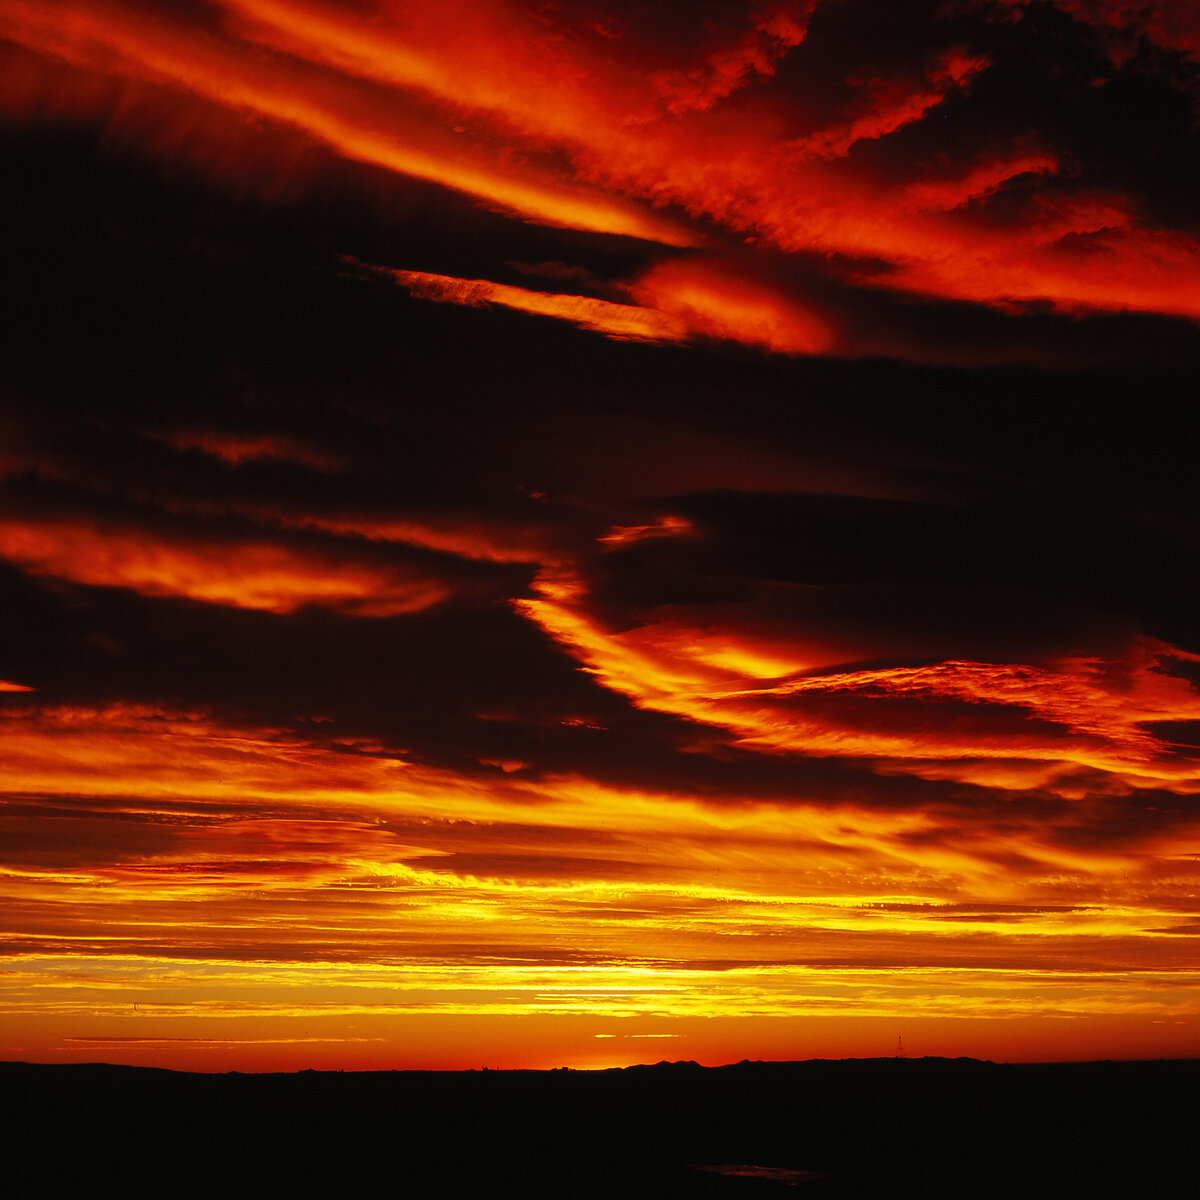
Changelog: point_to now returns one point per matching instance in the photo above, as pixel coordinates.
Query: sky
(540, 534)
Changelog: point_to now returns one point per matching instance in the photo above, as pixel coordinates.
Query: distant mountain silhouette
(811, 1130)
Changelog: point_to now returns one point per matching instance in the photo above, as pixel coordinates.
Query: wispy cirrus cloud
(390, 90)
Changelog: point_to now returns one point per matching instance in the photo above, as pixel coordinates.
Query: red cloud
(559, 128)
(260, 574)
(678, 300)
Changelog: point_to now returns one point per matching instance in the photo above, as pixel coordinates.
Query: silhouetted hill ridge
(930, 1127)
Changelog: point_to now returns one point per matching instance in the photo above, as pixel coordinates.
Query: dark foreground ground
(856, 1128)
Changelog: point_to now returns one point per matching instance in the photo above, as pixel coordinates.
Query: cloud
(679, 300)
(1172, 24)
(619, 321)
(715, 302)
(891, 104)
(774, 29)
(391, 92)
(120, 1042)
(253, 573)
(757, 688)
(150, 52)
(237, 449)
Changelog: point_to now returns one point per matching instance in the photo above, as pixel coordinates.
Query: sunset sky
(580, 533)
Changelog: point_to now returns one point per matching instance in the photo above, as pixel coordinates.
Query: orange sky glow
(581, 534)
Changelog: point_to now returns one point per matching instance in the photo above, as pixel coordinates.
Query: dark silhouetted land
(855, 1128)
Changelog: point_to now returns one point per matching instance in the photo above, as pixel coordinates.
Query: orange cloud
(981, 181)
(623, 322)
(229, 874)
(775, 29)
(679, 300)
(701, 166)
(555, 127)
(760, 691)
(236, 449)
(114, 39)
(182, 804)
(261, 574)
(1084, 254)
(715, 303)
(667, 526)
(892, 105)
(473, 537)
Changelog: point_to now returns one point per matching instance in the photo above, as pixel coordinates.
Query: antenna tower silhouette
(899, 1047)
